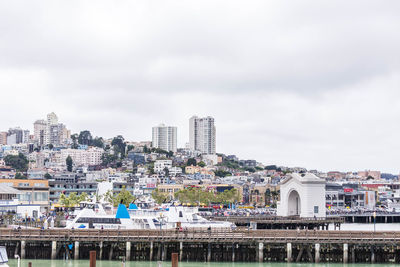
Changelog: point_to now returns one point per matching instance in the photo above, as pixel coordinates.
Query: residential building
(137, 158)
(50, 131)
(160, 165)
(202, 134)
(17, 136)
(376, 175)
(57, 134)
(248, 163)
(3, 138)
(39, 131)
(164, 137)
(90, 157)
(198, 169)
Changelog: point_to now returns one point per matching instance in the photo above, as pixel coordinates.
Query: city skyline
(187, 129)
(308, 84)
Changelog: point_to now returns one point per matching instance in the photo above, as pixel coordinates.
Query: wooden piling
(175, 259)
(92, 258)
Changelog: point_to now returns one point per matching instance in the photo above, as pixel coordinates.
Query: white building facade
(202, 135)
(160, 165)
(90, 157)
(165, 137)
(302, 195)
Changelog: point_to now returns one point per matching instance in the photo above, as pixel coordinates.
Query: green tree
(85, 138)
(98, 142)
(222, 173)
(201, 164)
(51, 146)
(118, 144)
(129, 148)
(199, 195)
(108, 159)
(271, 167)
(69, 163)
(19, 175)
(47, 176)
(72, 199)
(124, 197)
(74, 138)
(191, 162)
(19, 163)
(158, 196)
(166, 172)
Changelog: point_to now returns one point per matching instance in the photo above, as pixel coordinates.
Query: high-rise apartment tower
(202, 135)
(164, 137)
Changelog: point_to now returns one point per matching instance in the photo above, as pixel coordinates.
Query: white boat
(173, 217)
(3, 257)
(93, 216)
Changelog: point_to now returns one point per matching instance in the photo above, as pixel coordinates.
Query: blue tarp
(133, 206)
(122, 212)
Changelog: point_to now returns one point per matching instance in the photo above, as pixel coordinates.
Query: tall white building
(17, 136)
(50, 131)
(202, 135)
(164, 137)
(52, 120)
(39, 131)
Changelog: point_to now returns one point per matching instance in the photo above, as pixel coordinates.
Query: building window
(315, 209)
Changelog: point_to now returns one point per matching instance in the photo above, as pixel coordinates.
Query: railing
(239, 236)
(273, 218)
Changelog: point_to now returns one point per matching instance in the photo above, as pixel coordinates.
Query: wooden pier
(276, 222)
(202, 245)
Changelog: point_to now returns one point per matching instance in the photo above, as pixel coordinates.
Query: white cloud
(312, 83)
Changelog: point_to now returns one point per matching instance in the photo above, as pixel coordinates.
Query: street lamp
(374, 221)
(161, 218)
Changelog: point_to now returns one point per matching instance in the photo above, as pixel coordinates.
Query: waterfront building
(349, 195)
(202, 135)
(32, 191)
(165, 137)
(302, 194)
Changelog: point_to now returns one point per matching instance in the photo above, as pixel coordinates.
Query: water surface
(85, 263)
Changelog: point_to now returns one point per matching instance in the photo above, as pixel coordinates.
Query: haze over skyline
(312, 84)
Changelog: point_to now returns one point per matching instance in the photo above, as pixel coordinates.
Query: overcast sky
(296, 83)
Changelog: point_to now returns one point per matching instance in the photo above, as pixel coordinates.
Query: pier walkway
(276, 222)
(203, 245)
(236, 236)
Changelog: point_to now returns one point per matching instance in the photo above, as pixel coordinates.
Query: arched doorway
(294, 203)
